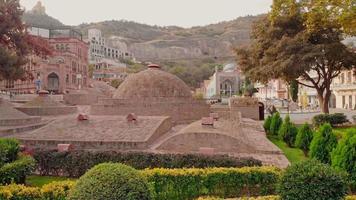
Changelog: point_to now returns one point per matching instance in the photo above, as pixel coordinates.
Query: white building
(99, 49)
(225, 83)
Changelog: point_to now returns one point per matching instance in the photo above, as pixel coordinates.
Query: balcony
(344, 86)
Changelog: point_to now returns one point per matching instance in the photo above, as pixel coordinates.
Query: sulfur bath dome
(152, 83)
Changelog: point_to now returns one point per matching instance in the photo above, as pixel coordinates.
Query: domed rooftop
(229, 67)
(152, 83)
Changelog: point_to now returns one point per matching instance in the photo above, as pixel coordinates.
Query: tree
(302, 41)
(267, 123)
(116, 83)
(293, 89)
(15, 42)
(288, 132)
(276, 123)
(344, 155)
(304, 138)
(323, 143)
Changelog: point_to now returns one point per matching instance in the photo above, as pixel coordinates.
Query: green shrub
(312, 180)
(323, 143)
(267, 123)
(16, 171)
(333, 119)
(109, 181)
(304, 138)
(288, 132)
(344, 156)
(52, 191)
(19, 192)
(176, 184)
(57, 190)
(276, 123)
(9, 148)
(76, 163)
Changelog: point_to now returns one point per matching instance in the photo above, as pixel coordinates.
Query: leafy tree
(293, 89)
(304, 138)
(288, 132)
(15, 42)
(323, 143)
(299, 39)
(276, 123)
(267, 123)
(344, 155)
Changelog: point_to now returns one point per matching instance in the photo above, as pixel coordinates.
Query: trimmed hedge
(333, 119)
(310, 180)
(176, 184)
(76, 163)
(51, 191)
(261, 198)
(16, 172)
(108, 181)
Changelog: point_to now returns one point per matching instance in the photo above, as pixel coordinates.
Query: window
(349, 77)
(73, 79)
(350, 102)
(343, 101)
(342, 78)
(67, 78)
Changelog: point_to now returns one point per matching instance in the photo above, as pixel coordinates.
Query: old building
(66, 69)
(274, 89)
(225, 83)
(344, 90)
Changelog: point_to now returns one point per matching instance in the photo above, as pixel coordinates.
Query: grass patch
(294, 155)
(39, 181)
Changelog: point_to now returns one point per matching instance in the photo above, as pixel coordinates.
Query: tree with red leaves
(15, 42)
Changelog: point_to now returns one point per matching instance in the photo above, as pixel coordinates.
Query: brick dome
(152, 83)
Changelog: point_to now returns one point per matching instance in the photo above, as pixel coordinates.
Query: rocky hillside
(171, 43)
(150, 43)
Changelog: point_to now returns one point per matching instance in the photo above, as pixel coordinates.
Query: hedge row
(260, 198)
(333, 119)
(76, 163)
(52, 191)
(176, 184)
(16, 172)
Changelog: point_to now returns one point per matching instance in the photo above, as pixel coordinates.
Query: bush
(109, 181)
(9, 148)
(19, 192)
(267, 123)
(323, 143)
(243, 198)
(333, 119)
(276, 123)
(304, 138)
(76, 163)
(52, 191)
(176, 184)
(57, 190)
(288, 132)
(344, 156)
(17, 171)
(312, 180)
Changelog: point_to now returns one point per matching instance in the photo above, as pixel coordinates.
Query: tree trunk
(324, 101)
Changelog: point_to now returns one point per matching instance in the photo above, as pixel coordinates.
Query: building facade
(344, 90)
(66, 69)
(225, 83)
(274, 89)
(100, 49)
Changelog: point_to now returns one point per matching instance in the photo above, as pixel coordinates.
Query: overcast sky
(185, 13)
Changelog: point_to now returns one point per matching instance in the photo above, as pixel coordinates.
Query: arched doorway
(53, 82)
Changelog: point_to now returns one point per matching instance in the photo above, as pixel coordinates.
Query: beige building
(344, 90)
